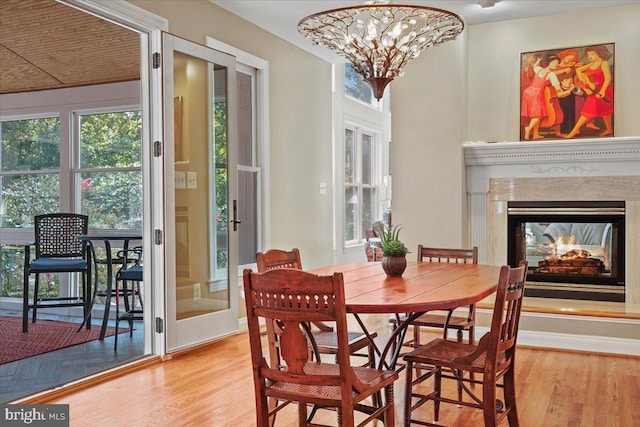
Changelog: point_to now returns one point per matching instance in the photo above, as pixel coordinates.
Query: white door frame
(150, 27)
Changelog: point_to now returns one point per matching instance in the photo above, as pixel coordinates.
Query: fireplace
(606, 169)
(576, 250)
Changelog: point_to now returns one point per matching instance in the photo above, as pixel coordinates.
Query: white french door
(200, 173)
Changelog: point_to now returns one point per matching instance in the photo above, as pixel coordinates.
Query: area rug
(43, 336)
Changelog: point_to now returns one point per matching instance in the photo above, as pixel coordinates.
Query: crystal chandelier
(379, 38)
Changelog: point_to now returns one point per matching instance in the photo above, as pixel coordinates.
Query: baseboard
(561, 340)
(242, 324)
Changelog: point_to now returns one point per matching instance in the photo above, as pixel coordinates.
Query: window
(29, 182)
(87, 161)
(362, 133)
(253, 136)
(355, 87)
(29, 169)
(359, 183)
(109, 174)
(249, 172)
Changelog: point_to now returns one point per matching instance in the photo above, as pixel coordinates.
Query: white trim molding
(561, 339)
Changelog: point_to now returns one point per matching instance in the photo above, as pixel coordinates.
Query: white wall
(494, 65)
(468, 90)
(427, 128)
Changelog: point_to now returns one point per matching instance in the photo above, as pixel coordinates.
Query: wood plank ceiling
(48, 45)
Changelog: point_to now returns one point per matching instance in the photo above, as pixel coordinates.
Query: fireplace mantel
(553, 158)
(582, 169)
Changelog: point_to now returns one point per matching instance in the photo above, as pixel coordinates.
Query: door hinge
(158, 237)
(157, 148)
(156, 60)
(159, 325)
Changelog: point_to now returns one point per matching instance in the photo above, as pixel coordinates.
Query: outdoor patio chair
(57, 250)
(127, 286)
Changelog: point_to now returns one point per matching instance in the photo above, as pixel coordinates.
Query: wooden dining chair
(323, 334)
(292, 299)
(446, 320)
(493, 357)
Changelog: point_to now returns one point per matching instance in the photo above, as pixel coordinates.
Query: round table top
(424, 286)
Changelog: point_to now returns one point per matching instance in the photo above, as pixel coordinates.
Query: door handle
(235, 220)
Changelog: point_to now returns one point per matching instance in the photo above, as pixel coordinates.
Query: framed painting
(567, 93)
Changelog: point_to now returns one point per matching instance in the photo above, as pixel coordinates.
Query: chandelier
(379, 38)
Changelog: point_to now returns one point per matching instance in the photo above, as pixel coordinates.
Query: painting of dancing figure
(567, 93)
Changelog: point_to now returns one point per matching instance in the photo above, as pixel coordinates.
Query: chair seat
(331, 395)
(450, 354)
(133, 273)
(327, 342)
(439, 320)
(52, 265)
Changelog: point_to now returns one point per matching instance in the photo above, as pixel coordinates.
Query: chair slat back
(293, 298)
(56, 235)
(460, 256)
(506, 312)
(277, 258)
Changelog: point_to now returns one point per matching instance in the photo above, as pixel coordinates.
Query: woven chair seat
(438, 321)
(330, 395)
(327, 342)
(448, 354)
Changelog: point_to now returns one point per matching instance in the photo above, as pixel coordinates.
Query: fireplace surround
(605, 169)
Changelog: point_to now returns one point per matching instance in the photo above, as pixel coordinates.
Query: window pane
(355, 87)
(349, 156)
(32, 144)
(368, 208)
(110, 140)
(112, 200)
(11, 263)
(245, 119)
(350, 212)
(248, 209)
(24, 196)
(367, 159)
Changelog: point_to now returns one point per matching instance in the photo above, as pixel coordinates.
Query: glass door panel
(200, 175)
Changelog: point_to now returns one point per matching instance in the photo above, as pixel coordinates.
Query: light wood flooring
(50, 370)
(213, 386)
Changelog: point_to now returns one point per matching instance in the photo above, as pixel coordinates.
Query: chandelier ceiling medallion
(379, 38)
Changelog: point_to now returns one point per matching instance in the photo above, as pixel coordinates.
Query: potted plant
(394, 252)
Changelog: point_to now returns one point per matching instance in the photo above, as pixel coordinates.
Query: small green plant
(390, 241)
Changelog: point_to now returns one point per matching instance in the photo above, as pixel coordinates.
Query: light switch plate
(192, 180)
(180, 180)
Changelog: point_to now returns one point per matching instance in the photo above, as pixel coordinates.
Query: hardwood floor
(50, 370)
(213, 386)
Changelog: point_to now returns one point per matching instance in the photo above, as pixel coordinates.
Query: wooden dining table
(424, 286)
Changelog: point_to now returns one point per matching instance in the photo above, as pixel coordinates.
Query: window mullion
(359, 232)
(67, 132)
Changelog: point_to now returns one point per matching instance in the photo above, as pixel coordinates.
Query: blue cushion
(134, 273)
(47, 265)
